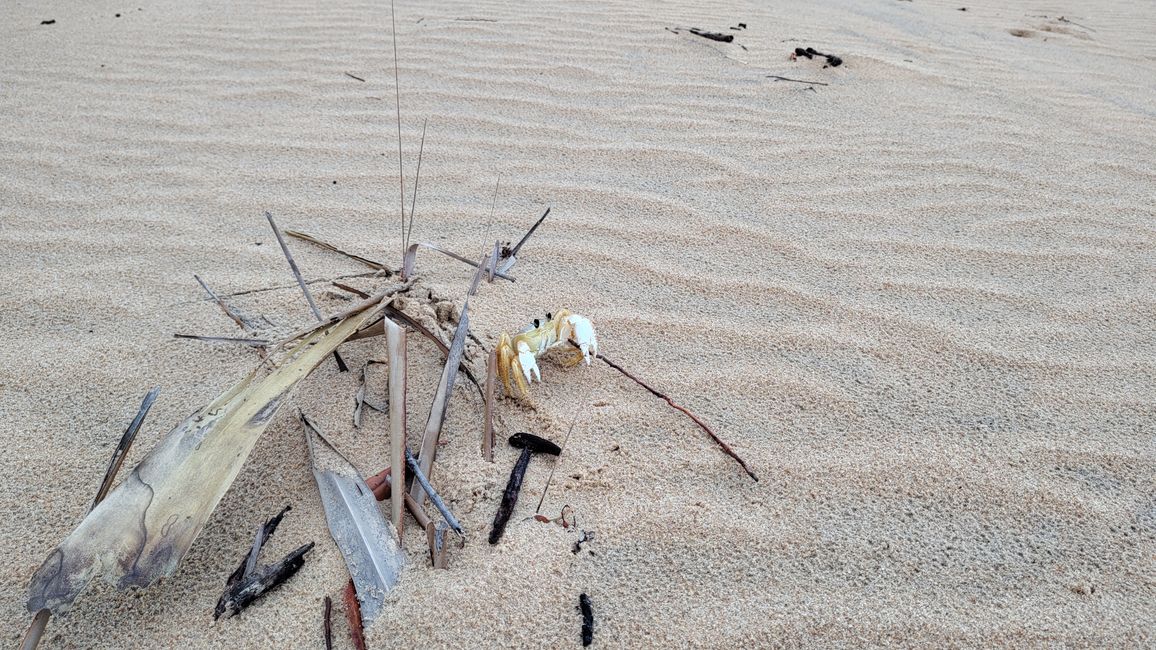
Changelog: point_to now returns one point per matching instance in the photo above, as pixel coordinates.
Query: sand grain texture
(919, 301)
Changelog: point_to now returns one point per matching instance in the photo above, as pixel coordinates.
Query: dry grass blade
(123, 446)
(395, 343)
(367, 541)
(416, 180)
(143, 529)
(330, 247)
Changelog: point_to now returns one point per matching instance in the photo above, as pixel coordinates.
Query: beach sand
(918, 300)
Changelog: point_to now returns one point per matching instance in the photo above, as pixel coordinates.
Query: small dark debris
(118, 15)
(48, 22)
(714, 36)
(963, 8)
(335, 182)
(811, 52)
(587, 619)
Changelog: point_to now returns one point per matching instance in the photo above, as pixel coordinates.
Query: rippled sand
(919, 300)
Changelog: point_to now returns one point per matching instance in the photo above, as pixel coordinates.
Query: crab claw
(528, 362)
(584, 336)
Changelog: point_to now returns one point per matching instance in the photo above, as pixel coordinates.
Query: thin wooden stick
(395, 337)
(236, 318)
(353, 615)
(702, 425)
(297, 234)
(304, 287)
(434, 497)
(488, 425)
(35, 630)
(328, 623)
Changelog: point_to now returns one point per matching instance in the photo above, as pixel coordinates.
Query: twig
(353, 76)
(488, 424)
(330, 247)
(416, 180)
(411, 259)
(702, 425)
(420, 477)
(257, 343)
(236, 318)
(304, 287)
(801, 81)
(328, 623)
(126, 440)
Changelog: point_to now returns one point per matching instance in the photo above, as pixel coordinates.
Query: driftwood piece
(249, 561)
(262, 581)
(143, 529)
(367, 541)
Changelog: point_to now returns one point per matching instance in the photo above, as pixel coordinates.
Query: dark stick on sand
(529, 444)
(328, 623)
(587, 619)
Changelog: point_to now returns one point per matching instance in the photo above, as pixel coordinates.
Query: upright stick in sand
(396, 345)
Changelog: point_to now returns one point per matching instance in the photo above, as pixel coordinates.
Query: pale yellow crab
(518, 355)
